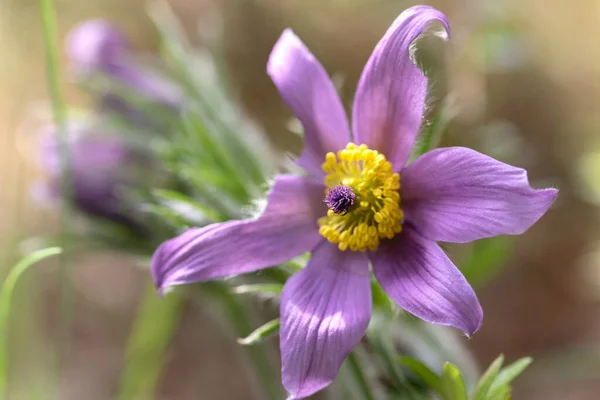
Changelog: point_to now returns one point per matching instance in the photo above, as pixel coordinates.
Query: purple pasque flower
(101, 167)
(99, 47)
(381, 210)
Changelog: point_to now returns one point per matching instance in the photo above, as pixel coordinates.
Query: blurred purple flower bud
(101, 169)
(97, 47)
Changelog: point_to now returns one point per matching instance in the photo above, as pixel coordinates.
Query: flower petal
(286, 229)
(390, 98)
(325, 311)
(306, 88)
(459, 195)
(418, 275)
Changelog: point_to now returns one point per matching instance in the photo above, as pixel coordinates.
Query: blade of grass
(384, 347)
(5, 301)
(358, 374)
(156, 320)
(65, 305)
(261, 333)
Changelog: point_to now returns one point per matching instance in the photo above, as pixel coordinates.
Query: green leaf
(488, 256)
(358, 374)
(198, 72)
(503, 394)
(186, 207)
(241, 322)
(380, 340)
(486, 381)
(259, 288)
(453, 386)
(421, 370)
(432, 133)
(5, 301)
(508, 374)
(261, 333)
(151, 333)
(381, 300)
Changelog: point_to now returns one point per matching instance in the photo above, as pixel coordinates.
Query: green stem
(5, 301)
(359, 376)
(385, 349)
(156, 320)
(243, 325)
(66, 304)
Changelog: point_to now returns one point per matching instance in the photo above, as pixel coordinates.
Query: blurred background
(522, 77)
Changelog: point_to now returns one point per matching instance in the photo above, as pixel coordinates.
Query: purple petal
(286, 229)
(306, 88)
(459, 195)
(325, 311)
(390, 98)
(418, 275)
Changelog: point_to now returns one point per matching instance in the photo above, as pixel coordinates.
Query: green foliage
(152, 330)
(494, 384)
(423, 372)
(486, 260)
(485, 383)
(214, 155)
(260, 334)
(453, 386)
(501, 385)
(212, 103)
(269, 289)
(5, 304)
(179, 211)
(364, 391)
(241, 322)
(431, 133)
(381, 300)
(51, 55)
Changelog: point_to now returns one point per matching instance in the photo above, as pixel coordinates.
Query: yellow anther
(376, 213)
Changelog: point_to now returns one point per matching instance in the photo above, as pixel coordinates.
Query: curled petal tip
(390, 97)
(551, 195)
(432, 14)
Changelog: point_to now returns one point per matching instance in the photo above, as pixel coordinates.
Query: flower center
(340, 199)
(363, 199)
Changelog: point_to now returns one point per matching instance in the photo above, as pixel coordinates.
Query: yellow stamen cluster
(376, 213)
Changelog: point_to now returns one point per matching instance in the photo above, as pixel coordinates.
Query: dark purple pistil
(339, 199)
